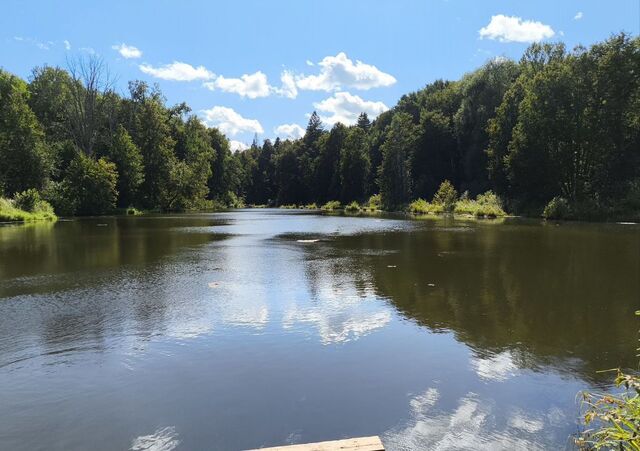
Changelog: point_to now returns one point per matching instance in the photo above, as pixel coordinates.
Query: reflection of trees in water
(562, 294)
(99, 292)
(41, 253)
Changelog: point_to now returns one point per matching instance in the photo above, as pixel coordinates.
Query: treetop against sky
(256, 66)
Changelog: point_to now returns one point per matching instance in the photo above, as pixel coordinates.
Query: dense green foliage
(88, 150)
(557, 129)
(556, 124)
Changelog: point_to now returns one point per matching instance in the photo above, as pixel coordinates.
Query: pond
(257, 328)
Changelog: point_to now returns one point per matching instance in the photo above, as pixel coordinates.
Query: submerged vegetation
(556, 134)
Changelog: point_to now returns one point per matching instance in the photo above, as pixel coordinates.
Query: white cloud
(89, 50)
(515, 29)
(229, 122)
(67, 45)
(40, 44)
(578, 16)
(288, 88)
(310, 63)
(177, 71)
(237, 145)
(248, 85)
(127, 51)
(293, 131)
(255, 85)
(339, 71)
(345, 107)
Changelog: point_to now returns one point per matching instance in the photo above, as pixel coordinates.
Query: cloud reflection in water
(473, 424)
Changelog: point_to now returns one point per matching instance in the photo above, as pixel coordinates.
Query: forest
(556, 132)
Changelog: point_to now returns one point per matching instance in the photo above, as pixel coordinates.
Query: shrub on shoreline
(422, 207)
(352, 207)
(613, 420)
(557, 208)
(374, 203)
(446, 196)
(485, 205)
(41, 211)
(331, 205)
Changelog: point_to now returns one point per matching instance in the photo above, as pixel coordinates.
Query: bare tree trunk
(90, 81)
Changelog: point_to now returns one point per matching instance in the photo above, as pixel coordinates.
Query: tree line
(558, 129)
(89, 150)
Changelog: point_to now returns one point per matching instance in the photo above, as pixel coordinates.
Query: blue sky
(262, 66)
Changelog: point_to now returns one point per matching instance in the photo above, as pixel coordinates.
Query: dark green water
(237, 330)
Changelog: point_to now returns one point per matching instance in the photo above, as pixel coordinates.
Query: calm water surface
(257, 328)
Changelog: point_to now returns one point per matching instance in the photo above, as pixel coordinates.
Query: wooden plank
(372, 443)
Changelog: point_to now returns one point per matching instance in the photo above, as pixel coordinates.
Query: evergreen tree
(354, 166)
(363, 122)
(394, 178)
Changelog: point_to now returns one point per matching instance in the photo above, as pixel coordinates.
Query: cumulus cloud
(127, 51)
(288, 88)
(515, 29)
(578, 16)
(248, 85)
(177, 71)
(230, 122)
(237, 145)
(67, 45)
(293, 131)
(339, 72)
(345, 108)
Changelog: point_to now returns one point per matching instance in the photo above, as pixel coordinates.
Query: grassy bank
(9, 212)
